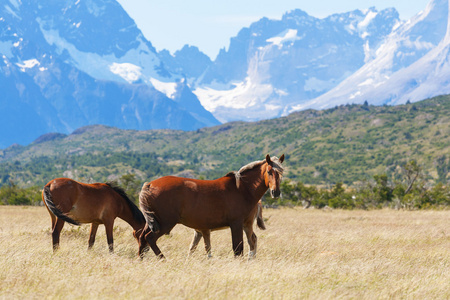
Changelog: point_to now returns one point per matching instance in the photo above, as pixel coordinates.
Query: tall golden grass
(303, 254)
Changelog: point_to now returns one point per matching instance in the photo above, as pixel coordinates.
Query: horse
(209, 204)
(206, 234)
(98, 203)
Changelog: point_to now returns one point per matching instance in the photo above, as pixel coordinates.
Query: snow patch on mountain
(366, 21)
(28, 64)
(167, 88)
(245, 95)
(127, 71)
(139, 64)
(289, 35)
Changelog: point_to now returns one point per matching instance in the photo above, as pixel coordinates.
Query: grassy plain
(303, 254)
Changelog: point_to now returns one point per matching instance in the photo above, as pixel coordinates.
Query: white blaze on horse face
(273, 179)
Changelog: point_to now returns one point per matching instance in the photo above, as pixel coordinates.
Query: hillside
(347, 143)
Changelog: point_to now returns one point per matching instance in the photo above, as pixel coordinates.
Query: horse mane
(231, 174)
(276, 164)
(137, 214)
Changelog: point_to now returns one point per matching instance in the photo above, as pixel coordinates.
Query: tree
(382, 189)
(412, 171)
(131, 184)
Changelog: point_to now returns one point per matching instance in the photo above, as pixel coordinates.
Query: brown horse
(206, 234)
(229, 201)
(97, 203)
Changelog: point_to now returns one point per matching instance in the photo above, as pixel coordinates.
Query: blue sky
(209, 25)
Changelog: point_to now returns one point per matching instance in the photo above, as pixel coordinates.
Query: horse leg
(143, 245)
(237, 239)
(252, 240)
(109, 226)
(53, 217)
(59, 224)
(151, 238)
(195, 240)
(94, 227)
(207, 240)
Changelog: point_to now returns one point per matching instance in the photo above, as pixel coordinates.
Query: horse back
(200, 204)
(178, 189)
(85, 203)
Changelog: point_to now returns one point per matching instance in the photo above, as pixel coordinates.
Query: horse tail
(47, 196)
(150, 218)
(259, 217)
(136, 212)
(149, 215)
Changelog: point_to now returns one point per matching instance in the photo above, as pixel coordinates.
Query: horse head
(273, 174)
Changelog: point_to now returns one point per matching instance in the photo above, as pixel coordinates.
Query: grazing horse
(206, 234)
(229, 201)
(99, 203)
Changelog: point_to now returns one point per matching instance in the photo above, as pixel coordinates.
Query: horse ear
(268, 159)
(281, 159)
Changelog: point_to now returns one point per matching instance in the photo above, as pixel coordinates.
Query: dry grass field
(303, 254)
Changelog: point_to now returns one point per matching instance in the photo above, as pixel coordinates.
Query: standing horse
(206, 234)
(97, 203)
(209, 204)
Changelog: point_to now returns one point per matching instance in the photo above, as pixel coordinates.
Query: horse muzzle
(275, 193)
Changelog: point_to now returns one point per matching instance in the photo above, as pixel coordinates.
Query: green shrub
(12, 195)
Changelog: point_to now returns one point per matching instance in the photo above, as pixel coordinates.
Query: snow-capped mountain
(70, 63)
(66, 64)
(276, 64)
(411, 65)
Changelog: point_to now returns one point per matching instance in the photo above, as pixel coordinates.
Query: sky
(209, 24)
